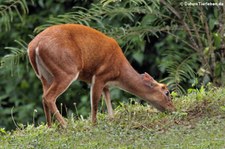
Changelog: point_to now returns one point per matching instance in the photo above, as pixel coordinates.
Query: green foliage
(180, 62)
(192, 51)
(196, 124)
(2, 131)
(20, 95)
(17, 54)
(11, 9)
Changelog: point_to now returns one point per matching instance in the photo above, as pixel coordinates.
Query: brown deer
(62, 54)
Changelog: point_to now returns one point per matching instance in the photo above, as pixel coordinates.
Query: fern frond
(16, 55)
(7, 11)
(99, 14)
(180, 70)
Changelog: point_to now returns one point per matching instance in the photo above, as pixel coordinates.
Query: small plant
(2, 131)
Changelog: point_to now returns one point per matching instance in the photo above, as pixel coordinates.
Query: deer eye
(150, 84)
(167, 93)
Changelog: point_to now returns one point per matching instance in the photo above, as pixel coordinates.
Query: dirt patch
(200, 109)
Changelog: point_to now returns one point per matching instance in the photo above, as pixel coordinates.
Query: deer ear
(147, 77)
(149, 81)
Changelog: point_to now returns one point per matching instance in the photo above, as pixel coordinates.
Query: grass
(198, 123)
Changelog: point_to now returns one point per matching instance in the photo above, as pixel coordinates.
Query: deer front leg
(96, 91)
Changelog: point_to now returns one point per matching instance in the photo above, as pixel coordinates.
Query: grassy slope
(198, 123)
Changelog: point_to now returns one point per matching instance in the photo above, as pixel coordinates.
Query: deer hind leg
(57, 87)
(108, 101)
(46, 109)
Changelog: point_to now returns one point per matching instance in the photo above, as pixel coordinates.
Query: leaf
(139, 57)
(17, 54)
(2, 131)
(7, 12)
(180, 70)
(217, 40)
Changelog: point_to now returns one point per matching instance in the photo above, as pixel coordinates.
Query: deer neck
(131, 81)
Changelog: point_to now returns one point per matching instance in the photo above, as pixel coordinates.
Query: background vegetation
(178, 44)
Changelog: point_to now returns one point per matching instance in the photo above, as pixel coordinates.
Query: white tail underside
(42, 69)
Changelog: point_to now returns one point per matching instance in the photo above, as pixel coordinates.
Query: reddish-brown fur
(63, 53)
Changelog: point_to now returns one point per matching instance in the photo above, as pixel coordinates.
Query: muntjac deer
(62, 54)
